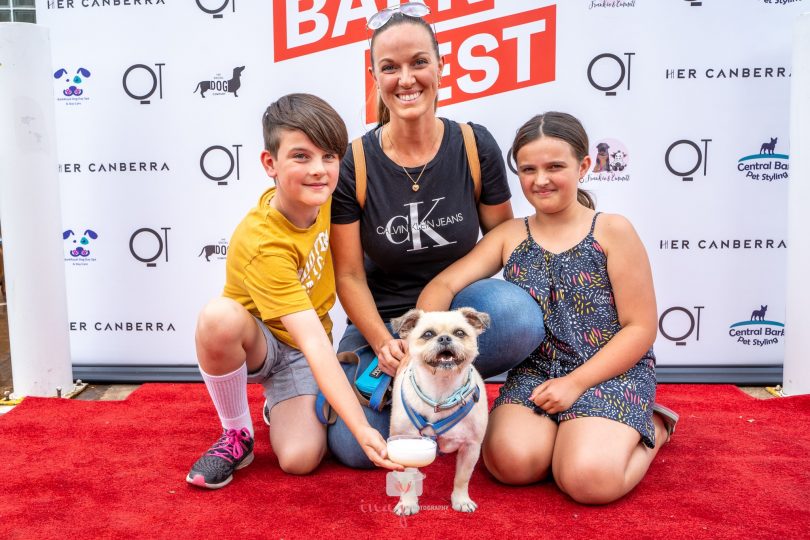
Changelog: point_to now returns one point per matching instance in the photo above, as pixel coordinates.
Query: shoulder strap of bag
(470, 148)
(359, 170)
(472, 157)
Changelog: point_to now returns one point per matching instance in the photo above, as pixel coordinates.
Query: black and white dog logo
(219, 86)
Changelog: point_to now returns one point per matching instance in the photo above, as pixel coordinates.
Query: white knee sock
(229, 394)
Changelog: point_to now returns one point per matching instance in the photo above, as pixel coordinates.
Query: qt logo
(692, 163)
(678, 324)
(147, 245)
(614, 77)
(218, 158)
(139, 77)
(217, 12)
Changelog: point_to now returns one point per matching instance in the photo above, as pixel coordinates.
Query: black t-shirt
(408, 237)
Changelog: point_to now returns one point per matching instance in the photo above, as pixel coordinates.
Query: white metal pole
(797, 318)
(31, 214)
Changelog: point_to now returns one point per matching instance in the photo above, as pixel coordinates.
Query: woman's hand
(557, 395)
(391, 353)
(375, 448)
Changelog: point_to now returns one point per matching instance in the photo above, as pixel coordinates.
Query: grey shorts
(285, 372)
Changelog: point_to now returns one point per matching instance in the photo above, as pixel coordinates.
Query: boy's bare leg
(297, 437)
(227, 337)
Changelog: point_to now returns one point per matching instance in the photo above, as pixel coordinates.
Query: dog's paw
(407, 509)
(463, 504)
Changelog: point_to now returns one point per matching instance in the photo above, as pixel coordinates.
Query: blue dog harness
(459, 397)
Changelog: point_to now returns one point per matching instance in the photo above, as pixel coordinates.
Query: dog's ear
(59, 73)
(67, 234)
(83, 72)
(477, 319)
(403, 325)
(91, 234)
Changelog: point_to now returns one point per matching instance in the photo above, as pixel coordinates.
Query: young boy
(272, 323)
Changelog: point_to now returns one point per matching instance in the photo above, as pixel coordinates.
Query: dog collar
(457, 397)
(445, 424)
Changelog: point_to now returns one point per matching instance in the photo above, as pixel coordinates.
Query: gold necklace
(415, 186)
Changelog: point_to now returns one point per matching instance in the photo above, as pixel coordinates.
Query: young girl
(581, 405)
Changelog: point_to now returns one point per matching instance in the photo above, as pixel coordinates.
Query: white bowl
(411, 450)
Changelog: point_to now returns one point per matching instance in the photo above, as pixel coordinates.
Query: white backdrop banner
(158, 127)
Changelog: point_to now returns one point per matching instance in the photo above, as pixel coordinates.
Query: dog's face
(442, 340)
(602, 149)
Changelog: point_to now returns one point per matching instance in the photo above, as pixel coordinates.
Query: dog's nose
(445, 340)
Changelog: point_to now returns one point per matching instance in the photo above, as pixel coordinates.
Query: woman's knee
(511, 462)
(590, 479)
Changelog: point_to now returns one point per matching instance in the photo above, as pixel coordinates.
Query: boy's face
(305, 174)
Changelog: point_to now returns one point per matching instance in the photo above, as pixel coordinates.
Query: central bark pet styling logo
(482, 59)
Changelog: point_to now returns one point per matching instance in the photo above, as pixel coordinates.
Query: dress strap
(528, 230)
(593, 223)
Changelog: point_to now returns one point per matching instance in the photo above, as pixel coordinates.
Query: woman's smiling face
(406, 70)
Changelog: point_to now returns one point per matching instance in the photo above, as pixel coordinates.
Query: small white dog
(440, 385)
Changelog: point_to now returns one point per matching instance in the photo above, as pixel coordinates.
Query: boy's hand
(557, 395)
(375, 448)
(391, 353)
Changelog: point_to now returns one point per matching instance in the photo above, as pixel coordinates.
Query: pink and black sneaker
(233, 450)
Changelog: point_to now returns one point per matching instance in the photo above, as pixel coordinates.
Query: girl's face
(549, 174)
(406, 70)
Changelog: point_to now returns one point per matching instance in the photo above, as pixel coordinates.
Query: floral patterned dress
(574, 291)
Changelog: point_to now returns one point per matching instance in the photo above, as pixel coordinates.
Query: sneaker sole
(669, 417)
(199, 480)
(266, 413)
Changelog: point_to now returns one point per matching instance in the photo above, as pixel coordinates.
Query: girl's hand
(375, 448)
(391, 354)
(557, 395)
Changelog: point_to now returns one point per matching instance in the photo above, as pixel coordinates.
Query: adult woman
(420, 214)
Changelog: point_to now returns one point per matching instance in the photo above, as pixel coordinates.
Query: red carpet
(736, 468)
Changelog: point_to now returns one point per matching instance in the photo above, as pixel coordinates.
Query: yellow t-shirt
(274, 268)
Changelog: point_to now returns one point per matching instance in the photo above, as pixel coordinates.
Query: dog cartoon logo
(220, 86)
(759, 314)
(610, 159)
(768, 147)
(618, 160)
(73, 81)
(79, 244)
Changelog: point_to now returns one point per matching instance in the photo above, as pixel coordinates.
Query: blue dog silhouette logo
(79, 244)
(759, 314)
(73, 81)
(768, 147)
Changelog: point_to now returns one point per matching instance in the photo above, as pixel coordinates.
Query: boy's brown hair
(308, 114)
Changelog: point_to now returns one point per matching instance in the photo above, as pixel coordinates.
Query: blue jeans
(515, 331)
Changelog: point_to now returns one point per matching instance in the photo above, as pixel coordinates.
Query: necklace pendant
(415, 187)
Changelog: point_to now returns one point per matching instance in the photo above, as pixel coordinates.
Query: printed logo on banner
(218, 251)
(71, 4)
(607, 72)
(77, 246)
(216, 7)
(218, 85)
(717, 73)
(757, 331)
(694, 3)
(767, 165)
(114, 166)
(721, 244)
(681, 325)
(611, 4)
(144, 83)
(121, 326)
(220, 164)
(611, 162)
(72, 85)
(148, 245)
(685, 157)
(781, 2)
